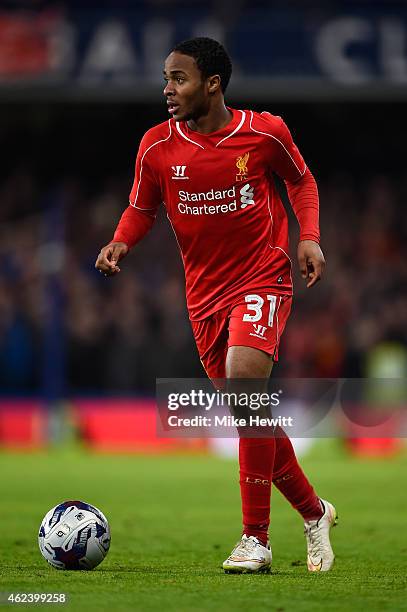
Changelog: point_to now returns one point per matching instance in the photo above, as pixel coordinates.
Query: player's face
(186, 92)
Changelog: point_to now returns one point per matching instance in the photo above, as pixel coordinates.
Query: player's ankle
(262, 535)
(315, 514)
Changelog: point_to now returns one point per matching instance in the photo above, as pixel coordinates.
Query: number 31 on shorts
(255, 303)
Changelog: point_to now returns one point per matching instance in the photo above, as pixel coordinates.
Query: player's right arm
(139, 216)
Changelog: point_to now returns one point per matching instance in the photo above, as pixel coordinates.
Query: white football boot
(320, 557)
(248, 556)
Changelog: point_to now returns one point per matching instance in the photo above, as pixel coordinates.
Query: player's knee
(241, 370)
(248, 368)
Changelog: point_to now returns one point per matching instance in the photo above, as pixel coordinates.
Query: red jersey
(221, 201)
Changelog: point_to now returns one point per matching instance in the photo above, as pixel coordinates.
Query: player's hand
(110, 256)
(311, 261)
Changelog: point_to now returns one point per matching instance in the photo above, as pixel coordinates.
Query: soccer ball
(74, 536)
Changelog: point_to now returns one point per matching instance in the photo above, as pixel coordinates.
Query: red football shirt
(222, 203)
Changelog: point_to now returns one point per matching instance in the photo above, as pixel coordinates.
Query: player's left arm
(302, 191)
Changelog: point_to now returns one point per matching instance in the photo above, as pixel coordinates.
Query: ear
(214, 84)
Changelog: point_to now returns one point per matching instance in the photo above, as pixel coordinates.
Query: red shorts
(255, 319)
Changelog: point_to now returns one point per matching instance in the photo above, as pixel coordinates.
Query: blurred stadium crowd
(64, 328)
(118, 335)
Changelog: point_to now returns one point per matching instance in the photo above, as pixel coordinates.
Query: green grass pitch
(175, 518)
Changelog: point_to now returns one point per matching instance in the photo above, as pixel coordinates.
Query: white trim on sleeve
(279, 141)
(141, 166)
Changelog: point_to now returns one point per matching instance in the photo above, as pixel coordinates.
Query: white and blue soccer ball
(74, 536)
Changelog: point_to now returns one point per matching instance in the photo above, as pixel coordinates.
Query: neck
(217, 117)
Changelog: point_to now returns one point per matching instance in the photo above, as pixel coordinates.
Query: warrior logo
(259, 331)
(179, 172)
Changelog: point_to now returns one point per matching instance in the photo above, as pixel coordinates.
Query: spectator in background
(361, 304)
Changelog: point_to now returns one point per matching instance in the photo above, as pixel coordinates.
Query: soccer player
(212, 167)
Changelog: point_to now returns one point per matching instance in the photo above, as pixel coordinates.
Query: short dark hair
(211, 57)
